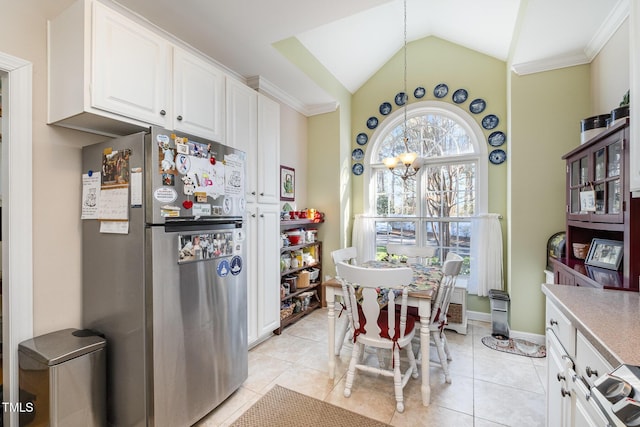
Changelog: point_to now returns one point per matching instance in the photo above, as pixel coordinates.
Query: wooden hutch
(601, 165)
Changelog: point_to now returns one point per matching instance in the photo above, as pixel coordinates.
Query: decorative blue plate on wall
(497, 138)
(401, 98)
(490, 121)
(460, 96)
(477, 106)
(441, 90)
(357, 169)
(419, 92)
(385, 108)
(357, 154)
(372, 123)
(362, 138)
(497, 156)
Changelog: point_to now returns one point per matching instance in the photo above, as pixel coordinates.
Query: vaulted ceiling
(353, 39)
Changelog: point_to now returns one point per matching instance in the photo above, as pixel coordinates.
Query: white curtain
(363, 238)
(486, 255)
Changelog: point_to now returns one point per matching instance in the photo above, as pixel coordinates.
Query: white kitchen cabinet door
(558, 399)
(198, 96)
(130, 66)
(242, 130)
(268, 155)
(263, 276)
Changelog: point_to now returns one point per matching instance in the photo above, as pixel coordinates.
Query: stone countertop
(609, 319)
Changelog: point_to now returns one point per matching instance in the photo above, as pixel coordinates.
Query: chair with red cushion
(366, 290)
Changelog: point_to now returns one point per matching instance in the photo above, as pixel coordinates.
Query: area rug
(281, 407)
(515, 346)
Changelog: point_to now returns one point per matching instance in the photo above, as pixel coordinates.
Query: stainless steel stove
(618, 395)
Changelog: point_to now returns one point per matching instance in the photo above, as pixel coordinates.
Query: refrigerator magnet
(223, 268)
(183, 163)
(201, 209)
(236, 265)
(165, 195)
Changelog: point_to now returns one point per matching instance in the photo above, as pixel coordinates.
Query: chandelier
(408, 162)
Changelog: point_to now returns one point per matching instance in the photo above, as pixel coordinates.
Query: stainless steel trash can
(62, 378)
(499, 301)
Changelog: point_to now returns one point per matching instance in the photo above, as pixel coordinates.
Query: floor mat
(515, 346)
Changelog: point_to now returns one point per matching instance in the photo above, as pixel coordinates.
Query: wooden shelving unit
(314, 286)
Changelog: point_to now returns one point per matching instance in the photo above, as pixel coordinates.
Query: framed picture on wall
(287, 183)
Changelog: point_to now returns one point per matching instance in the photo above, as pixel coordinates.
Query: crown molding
(608, 28)
(618, 14)
(263, 85)
(550, 64)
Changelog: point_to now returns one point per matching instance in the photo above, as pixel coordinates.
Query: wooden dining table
(422, 289)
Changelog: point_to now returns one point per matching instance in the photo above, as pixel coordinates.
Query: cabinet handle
(564, 392)
(179, 118)
(262, 194)
(590, 372)
(560, 377)
(261, 215)
(253, 215)
(253, 193)
(163, 113)
(553, 322)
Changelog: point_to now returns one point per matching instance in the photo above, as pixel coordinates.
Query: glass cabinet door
(579, 176)
(607, 174)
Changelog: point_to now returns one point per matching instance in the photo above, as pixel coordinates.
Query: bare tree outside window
(435, 206)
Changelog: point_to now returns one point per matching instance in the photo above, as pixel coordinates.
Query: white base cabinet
(573, 365)
(263, 276)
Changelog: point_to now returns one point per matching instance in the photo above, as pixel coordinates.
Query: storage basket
(286, 312)
(303, 280)
(454, 315)
(580, 250)
(313, 274)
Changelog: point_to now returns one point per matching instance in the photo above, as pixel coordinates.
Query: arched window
(435, 206)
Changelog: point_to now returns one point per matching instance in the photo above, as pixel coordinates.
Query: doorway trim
(17, 224)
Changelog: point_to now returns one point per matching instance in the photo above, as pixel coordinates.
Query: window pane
(429, 135)
(393, 196)
(450, 190)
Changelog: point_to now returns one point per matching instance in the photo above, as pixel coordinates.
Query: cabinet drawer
(562, 327)
(590, 365)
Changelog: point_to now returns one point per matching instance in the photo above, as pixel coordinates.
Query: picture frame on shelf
(287, 183)
(605, 253)
(604, 276)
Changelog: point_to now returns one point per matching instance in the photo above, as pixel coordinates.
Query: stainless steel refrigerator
(163, 274)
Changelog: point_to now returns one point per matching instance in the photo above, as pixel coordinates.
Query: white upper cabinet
(268, 153)
(113, 75)
(130, 68)
(198, 94)
(253, 125)
(242, 129)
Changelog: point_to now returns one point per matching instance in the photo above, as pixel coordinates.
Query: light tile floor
(489, 388)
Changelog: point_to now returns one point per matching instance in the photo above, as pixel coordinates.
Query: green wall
(540, 113)
(546, 109)
(431, 61)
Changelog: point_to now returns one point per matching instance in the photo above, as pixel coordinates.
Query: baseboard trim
(486, 317)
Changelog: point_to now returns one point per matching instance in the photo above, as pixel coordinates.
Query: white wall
(610, 72)
(56, 175)
(293, 150)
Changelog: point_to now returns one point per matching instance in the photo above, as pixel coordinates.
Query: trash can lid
(61, 346)
(498, 294)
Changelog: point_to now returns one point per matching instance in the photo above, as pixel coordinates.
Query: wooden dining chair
(365, 290)
(414, 253)
(439, 309)
(348, 255)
